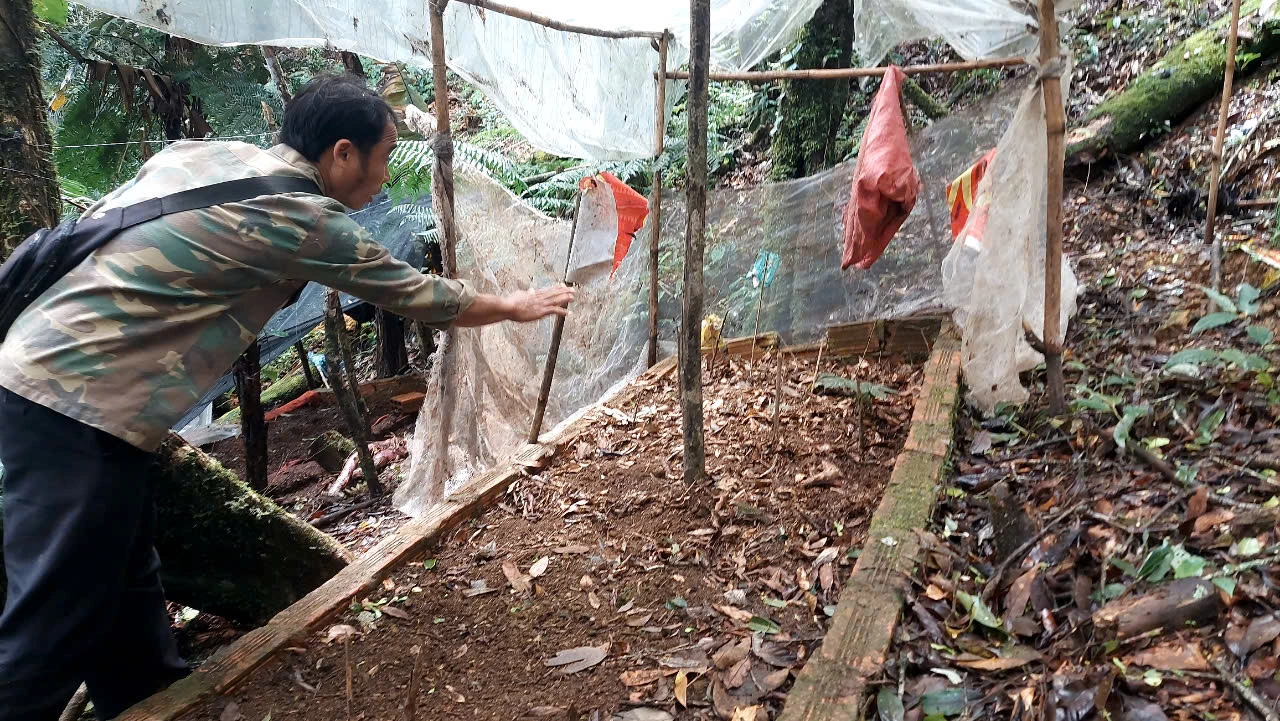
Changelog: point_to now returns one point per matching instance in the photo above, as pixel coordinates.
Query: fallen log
(1180, 82)
(1168, 605)
(225, 549)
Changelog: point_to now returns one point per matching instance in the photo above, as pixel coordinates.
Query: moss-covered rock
(225, 549)
(1190, 74)
(277, 394)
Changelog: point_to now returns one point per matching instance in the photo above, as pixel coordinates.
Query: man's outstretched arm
(522, 307)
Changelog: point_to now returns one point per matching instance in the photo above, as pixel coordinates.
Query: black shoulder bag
(50, 253)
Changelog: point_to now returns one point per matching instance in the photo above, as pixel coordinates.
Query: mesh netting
(505, 245)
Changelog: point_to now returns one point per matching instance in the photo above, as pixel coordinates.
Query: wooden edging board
(831, 686)
(232, 664)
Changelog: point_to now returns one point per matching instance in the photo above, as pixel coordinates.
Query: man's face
(353, 178)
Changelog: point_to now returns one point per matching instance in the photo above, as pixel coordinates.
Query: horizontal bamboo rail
(769, 76)
(557, 25)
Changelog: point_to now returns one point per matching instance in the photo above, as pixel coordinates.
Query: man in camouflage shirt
(99, 367)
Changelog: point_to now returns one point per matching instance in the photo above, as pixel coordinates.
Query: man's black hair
(332, 108)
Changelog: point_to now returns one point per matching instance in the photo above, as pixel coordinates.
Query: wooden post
(253, 424)
(655, 231)
(442, 145)
(1215, 175)
(301, 350)
(443, 397)
(391, 353)
(347, 393)
(557, 332)
(1055, 125)
(692, 289)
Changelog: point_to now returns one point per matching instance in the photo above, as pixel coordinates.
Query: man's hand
(530, 305)
(524, 306)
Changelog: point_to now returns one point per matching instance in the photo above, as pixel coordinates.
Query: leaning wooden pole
(1056, 126)
(557, 332)
(655, 206)
(1215, 174)
(346, 391)
(695, 241)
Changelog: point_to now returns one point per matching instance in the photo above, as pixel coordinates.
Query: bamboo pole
(1215, 175)
(655, 230)
(557, 25)
(845, 73)
(693, 289)
(557, 332)
(1055, 126)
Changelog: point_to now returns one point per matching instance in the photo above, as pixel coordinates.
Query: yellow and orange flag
(961, 194)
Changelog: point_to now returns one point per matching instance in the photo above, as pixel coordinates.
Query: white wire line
(140, 142)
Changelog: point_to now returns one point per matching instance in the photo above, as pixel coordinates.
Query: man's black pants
(84, 598)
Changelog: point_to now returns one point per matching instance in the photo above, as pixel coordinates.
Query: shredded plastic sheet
(572, 95)
(994, 275)
(974, 28)
(774, 250)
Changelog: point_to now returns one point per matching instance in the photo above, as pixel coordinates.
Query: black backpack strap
(231, 191)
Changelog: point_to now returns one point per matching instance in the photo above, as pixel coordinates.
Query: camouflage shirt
(134, 336)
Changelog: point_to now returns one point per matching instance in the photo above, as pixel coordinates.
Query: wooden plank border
(831, 686)
(230, 665)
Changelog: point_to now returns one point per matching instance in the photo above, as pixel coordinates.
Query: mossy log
(277, 394)
(1182, 81)
(225, 549)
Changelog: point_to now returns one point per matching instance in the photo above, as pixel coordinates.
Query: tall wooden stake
(655, 231)
(692, 290)
(441, 387)
(1055, 125)
(253, 424)
(1215, 176)
(557, 332)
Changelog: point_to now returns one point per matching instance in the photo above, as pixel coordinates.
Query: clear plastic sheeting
(569, 94)
(974, 28)
(995, 278)
(785, 238)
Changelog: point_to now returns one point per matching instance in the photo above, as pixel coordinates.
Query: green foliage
(51, 11)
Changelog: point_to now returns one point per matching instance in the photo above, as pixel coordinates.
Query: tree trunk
(226, 550)
(1182, 81)
(253, 423)
(692, 290)
(29, 195)
(811, 110)
(351, 63)
(392, 355)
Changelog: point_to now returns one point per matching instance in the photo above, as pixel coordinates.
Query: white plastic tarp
(569, 94)
(974, 28)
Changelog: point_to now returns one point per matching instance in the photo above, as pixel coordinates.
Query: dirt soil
(684, 600)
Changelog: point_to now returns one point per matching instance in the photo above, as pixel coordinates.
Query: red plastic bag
(633, 208)
(885, 182)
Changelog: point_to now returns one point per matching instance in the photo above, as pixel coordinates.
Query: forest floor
(662, 594)
(1121, 561)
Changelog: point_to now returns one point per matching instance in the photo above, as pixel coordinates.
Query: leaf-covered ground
(604, 584)
(1123, 561)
